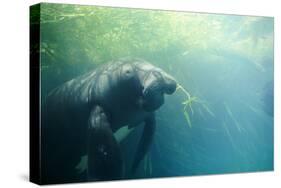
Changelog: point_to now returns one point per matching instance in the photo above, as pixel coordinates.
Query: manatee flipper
(104, 157)
(145, 141)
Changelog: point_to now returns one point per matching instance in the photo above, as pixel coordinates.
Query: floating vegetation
(187, 103)
(205, 106)
(228, 134)
(190, 100)
(229, 112)
(231, 139)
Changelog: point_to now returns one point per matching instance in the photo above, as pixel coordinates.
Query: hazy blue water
(238, 137)
(225, 61)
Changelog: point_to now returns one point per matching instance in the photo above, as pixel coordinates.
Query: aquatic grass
(229, 112)
(187, 117)
(231, 139)
(188, 102)
(147, 167)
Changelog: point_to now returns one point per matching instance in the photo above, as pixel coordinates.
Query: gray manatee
(81, 116)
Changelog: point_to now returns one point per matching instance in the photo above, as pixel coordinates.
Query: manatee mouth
(152, 98)
(156, 84)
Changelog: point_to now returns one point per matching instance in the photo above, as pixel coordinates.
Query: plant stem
(184, 90)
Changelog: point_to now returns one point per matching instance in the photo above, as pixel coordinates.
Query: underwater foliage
(99, 34)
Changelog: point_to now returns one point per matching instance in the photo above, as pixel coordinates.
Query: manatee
(80, 117)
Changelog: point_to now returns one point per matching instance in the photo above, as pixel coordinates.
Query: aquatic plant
(147, 167)
(188, 102)
(229, 112)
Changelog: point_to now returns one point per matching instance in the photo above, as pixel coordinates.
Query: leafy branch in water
(190, 100)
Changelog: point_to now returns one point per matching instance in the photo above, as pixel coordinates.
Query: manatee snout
(170, 86)
(156, 85)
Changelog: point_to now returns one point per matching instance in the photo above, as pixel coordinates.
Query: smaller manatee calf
(80, 117)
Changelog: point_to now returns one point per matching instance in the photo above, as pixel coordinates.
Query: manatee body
(80, 118)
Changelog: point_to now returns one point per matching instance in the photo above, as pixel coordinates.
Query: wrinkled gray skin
(82, 115)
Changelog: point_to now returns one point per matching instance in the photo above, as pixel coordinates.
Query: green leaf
(187, 117)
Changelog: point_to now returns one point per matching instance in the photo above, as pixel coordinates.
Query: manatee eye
(127, 71)
(128, 74)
